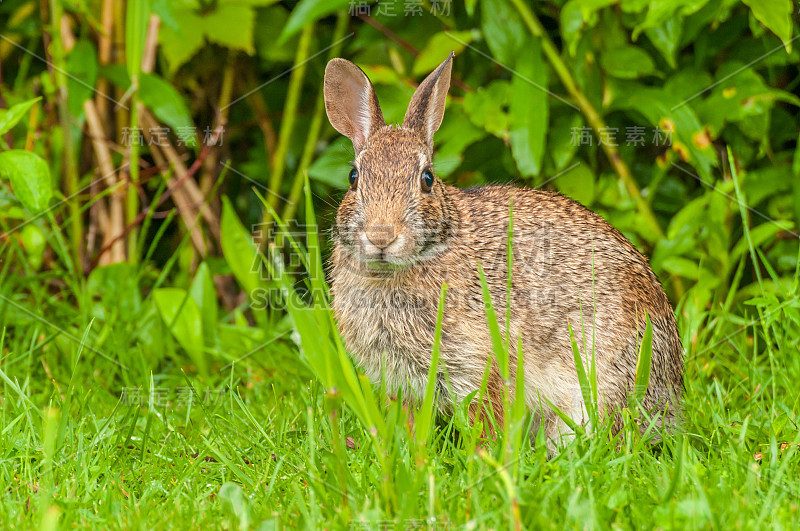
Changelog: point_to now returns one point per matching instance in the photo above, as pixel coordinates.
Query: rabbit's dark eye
(353, 178)
(427, 181)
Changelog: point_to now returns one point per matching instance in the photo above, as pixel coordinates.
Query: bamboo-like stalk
(288, 118)
(115, 225)
(211, 163)
(70, 163)
(314, 129)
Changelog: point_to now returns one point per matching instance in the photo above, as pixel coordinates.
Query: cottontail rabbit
(401, 233)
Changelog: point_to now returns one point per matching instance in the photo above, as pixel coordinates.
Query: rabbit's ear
(351, 103)
(426, 109)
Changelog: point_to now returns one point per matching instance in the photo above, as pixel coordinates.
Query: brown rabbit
(401, 233)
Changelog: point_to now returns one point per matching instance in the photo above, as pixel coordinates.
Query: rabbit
(401, 233)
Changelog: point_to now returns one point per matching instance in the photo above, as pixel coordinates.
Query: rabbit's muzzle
(384, 246)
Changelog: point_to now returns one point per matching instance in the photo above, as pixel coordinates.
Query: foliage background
(119, 276)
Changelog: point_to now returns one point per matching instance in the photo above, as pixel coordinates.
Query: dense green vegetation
(167, 354)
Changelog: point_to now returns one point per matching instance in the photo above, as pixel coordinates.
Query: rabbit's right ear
(351, 103)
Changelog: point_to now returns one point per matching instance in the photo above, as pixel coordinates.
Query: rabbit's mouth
(382, 262)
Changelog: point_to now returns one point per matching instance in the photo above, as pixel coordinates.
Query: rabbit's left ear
(426, 110)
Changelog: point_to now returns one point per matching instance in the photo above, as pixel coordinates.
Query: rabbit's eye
(353, 178)
(427, 181)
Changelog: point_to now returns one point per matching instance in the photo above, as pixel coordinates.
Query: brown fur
(396, 245)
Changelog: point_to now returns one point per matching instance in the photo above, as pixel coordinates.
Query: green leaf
(486, 107)
(136, 19)
(34, 243)
(666, 38)
(307, 12)
(577, 183)
(239, 250)
(627, 62)
(82, 65)
(682, 267)
(231, 25)
(179, 44)
(334, 164)
(182, 317)
(168, 106)
(29, 176)
(236, 505)
(502, 29)
(10, 117)
(452, 138)
(204, 295)
(667, 110)
(644, 362)
(775, 15)
(560, 138)
(438, 46)
(529, 109)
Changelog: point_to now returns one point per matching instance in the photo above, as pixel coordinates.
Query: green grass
(106, 423)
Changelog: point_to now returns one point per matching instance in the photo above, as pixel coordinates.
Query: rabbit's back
(571, 267)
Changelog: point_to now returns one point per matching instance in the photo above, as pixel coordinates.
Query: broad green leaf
(116, 288)
(269, 24)
(561, 138)
(529, 109)
(231, 25)
(662, 10)
(666, 39)
(236, 505)
(136, 19)
(776, 15)
(308, 11)
(741, 96)
(439, 46)
(179, 44)
(669, 112)
(160, 97)
(239, 250)
(503, 30)
(682, 267)
(627, 62)
(82, 66)
(168, 106)
(29, 176)
(34, 243)
(182, 317)
(10, 117)
(577, 183)
(452, 139)
(486, 107)
(333, 166)
(204, 295)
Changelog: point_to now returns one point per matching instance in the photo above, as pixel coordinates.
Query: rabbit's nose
(381, 235)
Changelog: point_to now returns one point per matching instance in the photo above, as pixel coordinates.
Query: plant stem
(313, 131)
(70, 164)
(288, 119)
